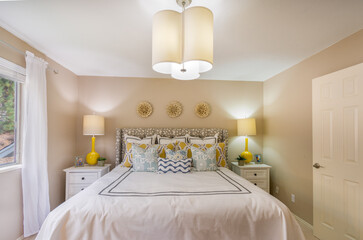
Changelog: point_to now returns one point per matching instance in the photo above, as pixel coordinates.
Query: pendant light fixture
(182, 43)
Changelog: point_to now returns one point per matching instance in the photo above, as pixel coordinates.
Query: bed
(125, 204)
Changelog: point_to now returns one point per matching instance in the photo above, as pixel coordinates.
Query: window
(8, 121)
(11, 77)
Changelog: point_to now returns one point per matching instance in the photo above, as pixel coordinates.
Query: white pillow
(149, 140)
(166, 140)
(206, 140)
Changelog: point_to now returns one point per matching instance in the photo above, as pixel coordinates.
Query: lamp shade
(182, 43)
(166, 41)
(246, 127)
(198, 37)
(93, 125)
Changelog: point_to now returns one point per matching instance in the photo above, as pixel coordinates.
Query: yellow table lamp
(246, 127)
(93, 125)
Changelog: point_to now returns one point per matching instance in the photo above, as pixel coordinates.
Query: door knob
(317, 165)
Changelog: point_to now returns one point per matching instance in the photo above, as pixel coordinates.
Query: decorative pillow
(142, 142)
(145, 160)
(186, 147)
(204, 160)
(128, 159)
(221, 155)
(168, 165)
(166, 140)
(163, 147)
(176, 155)
(221, 158)
(133, 139)
(206, 140)
(127, 162)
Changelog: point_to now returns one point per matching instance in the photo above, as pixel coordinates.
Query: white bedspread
(200, 205)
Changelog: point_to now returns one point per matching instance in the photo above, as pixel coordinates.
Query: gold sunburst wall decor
(174, 109)
(144, 109)
(202, 110)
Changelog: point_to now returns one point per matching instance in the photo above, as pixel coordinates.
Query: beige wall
(62, 114)
(288, 122)
(117, 98)
(62, 90)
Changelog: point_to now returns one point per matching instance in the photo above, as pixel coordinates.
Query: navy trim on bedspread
(108, 191)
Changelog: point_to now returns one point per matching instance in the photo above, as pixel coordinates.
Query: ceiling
(253, 39)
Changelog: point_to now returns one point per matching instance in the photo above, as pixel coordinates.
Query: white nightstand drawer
(82, 177)
(257, 174)
(259, 183)
(73, 189)
(78, 178)
(254, 174)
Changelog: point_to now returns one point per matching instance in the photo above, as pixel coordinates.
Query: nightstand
(258, 174)
(78, 178)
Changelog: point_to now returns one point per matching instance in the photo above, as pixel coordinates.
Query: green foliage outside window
(7, 110)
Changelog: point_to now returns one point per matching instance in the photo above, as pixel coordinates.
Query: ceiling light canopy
(182, 43)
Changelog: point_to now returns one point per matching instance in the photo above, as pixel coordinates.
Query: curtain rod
(23, 53)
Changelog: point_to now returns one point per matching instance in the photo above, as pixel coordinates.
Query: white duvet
(201, 205)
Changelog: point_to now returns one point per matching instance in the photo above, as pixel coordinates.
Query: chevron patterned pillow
(168, 165)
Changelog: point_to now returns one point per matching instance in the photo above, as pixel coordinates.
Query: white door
(338, 149)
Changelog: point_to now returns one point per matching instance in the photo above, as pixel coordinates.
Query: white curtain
(34, 145)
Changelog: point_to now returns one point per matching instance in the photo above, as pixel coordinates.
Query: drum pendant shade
(182, 43)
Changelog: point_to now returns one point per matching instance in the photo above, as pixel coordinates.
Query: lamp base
(247, 155)
(92, 157)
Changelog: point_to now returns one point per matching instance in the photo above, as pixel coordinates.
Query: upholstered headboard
(165, 132)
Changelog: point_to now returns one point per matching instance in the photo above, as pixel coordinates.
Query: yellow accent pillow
(220, 151)
(127, 162)
(185, 146)
(162, 147)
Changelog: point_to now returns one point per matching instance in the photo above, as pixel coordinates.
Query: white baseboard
(20, 238)
(302, 221)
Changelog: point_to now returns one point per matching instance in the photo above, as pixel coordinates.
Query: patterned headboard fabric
(165, 132)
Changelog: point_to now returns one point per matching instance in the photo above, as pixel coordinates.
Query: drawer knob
(256, 184)
(255, 174)
(82, 189)
(82, 178)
